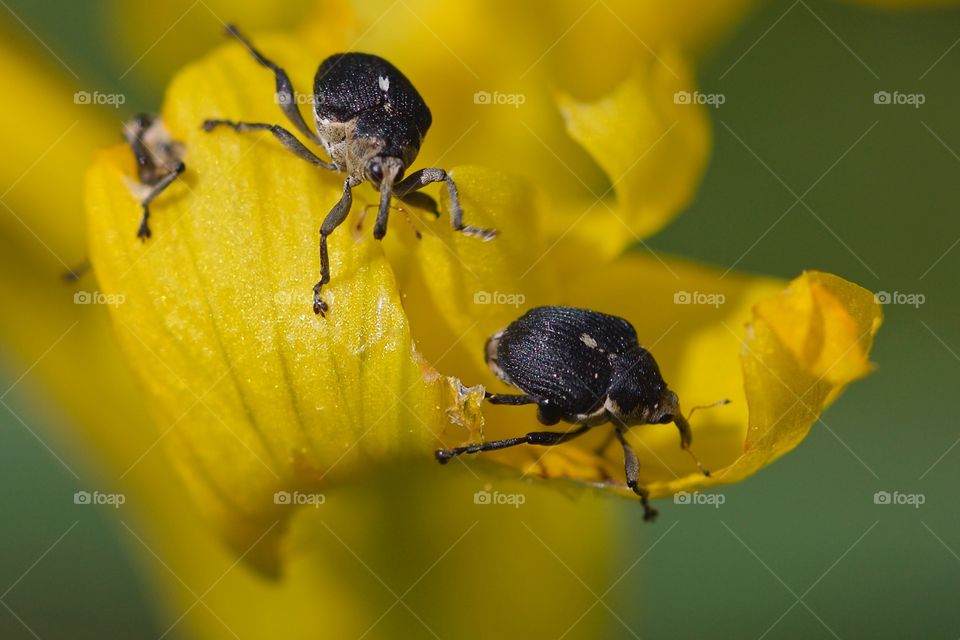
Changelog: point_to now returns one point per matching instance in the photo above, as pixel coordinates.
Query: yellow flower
(252, 394)
(218, 312)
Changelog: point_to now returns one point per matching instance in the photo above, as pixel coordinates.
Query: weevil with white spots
(370, 121)
(585, 368)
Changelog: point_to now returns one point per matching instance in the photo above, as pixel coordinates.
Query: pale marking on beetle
(588, 340)
(492, 344)
(384, 83)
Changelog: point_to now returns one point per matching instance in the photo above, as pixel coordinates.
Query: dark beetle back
(562, 355)
(384, 102)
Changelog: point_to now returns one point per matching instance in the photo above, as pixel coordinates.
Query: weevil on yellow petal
(253, 393)
(779, 354)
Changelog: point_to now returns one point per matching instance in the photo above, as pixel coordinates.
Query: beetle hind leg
(506, 398)
(286, 97)
(542, 438)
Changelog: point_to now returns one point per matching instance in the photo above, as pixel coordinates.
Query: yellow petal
(258, 394)
(477, 287)
(652, 139)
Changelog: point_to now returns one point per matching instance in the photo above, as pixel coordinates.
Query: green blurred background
(799, 551)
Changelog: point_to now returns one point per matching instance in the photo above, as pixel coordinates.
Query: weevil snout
(381, 170)
(389, 169)
(667, 409)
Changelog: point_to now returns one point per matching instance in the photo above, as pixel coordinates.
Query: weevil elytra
(159, 161)
(585, 368)
(370, 121)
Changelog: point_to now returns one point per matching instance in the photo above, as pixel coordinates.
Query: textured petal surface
(259, 394)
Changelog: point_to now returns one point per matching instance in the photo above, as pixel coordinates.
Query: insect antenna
(718, 403)
(684, 425)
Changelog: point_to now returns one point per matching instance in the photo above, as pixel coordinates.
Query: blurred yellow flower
(252, 394)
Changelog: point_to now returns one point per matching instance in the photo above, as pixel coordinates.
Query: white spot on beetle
(588, 340)
(384, 83)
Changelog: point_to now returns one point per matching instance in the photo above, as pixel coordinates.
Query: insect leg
(542, 438)
(421, 201)
(506, 398)
(333, 220)
(631, 466)
(285, 94)
(286, 138)
(144, 231)
(601, 450)
(419, 179)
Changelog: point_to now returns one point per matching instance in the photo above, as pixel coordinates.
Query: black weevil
(371, 121)
(585, 368)
(159, 161)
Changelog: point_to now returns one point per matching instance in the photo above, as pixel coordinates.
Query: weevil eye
(376, 171)
(665, 419)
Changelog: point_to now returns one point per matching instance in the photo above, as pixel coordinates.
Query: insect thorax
(157, 152)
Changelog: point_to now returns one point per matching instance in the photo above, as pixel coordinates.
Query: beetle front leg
(419, 179)
(287, 139)
(631, 465)
(333, 220)
(144, 231)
